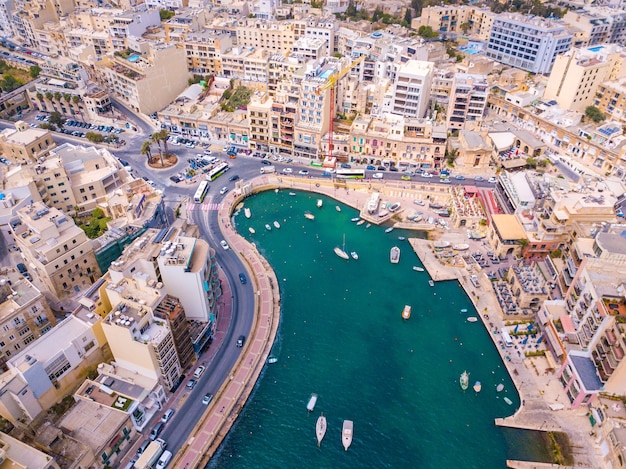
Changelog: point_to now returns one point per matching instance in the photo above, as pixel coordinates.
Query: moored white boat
(276, 224)
(341, 253)
(320, 202)
(355, 219)
(464, 380)
(368, 225)
(354, 255)
(441, 244)
(292, 193)
(431, 283)
(406, 312)
(268, 227)
(338, 208)
(401, 238)
(418, 269)
(320, 429)
(360, 222)
(499, 387)
(272, 360)
(394, 255)
(508, 401)
(251, 230)
(389, 230)
(309, 216)
(464, 310)
(460, 247)
(472, 319)
(246, 212)
(477, 386)
(312, 401)
(346, 433)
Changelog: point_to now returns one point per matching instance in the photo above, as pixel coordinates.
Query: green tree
(67, 97)
(57, 119)
(48, 95)
(47, 126)
(57, 96)
(594, 114)
(39, 96)
(351, 10)
(377, 15)
(427, 32)
(164, 134)
(9, 83)
(465, 27)
(34, 71)
(156, 138)
(76, 99)
(146, 149)
(451, 156)
(95, 137)
(408, 17)
(166, 14)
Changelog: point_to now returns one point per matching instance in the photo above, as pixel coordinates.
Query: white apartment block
(55, 250)
(577, 74)
(411, 91)
(24, 315)
(528, 43)
(49, 368)
(322, 28)
(6, 29)
(307, 48)
(468, 100)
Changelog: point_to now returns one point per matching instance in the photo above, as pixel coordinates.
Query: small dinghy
(251, 230)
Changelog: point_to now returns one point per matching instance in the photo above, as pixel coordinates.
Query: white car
(426, 175)
(225, 245)
(304, 172)
(377, 175)
(223, 190)
(492, 180)
(287, 170)
(207, 152)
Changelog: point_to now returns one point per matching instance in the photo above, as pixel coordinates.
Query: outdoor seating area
(505, 298)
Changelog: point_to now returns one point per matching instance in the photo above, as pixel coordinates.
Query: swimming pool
(134, 58)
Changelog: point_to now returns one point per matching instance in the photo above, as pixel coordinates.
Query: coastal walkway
(537, 388)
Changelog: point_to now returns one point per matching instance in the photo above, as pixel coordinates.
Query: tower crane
(330, 84)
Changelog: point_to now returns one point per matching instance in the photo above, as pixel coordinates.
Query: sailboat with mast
(341, 252)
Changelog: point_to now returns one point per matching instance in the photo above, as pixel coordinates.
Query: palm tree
(57, 96)
(76, 99)
(164, 134)
(146, 149)
(67, 97)
(156, 138)
(39, 96)
(48, 95)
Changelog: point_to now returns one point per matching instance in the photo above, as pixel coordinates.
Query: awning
(206, 286)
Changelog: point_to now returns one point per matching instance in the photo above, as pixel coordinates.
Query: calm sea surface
(342, 337)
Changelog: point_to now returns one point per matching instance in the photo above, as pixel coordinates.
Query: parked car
(199, 371)
(191, 384)
(393, 168)
(167, 415)
(406, 177)
(479, 178)
(492, 180)
(303, 172)
(156, 431)
(287, 170)
(143, 447)
(459, 177)
(22, 268)
(369, 167)
(266, 162)
(346, 166)
(377, 175)
(208, 397)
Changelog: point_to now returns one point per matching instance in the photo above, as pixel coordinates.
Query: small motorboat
(277, 225)
(246, 212)
(406, 312)
(394, 255)
(276, 190)
(394, 207)
(360, 222)
(312, 401)
(354, 255)
(292, 194)
(272, 360)
(338, 208)
(268, 227)
(341, 253)
(320, 202)
(472, 319)
(309, 216)
(499, 387)
(460, 247)
(508, 401)
(418, 269)
(464, 380)
(320, 429)
(368, 225)
(477, 386)
(251, 230)
(355, 219)
(464, 310)
(401, 238)
(346, 433)
(431, 283)
(389, 230)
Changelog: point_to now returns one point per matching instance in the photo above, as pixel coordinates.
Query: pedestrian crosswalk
(205, 207)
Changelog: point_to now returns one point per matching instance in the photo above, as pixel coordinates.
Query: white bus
(506, 338)
(203, 188)
(350, 173)
(216, 172)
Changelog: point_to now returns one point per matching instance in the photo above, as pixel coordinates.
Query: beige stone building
(276, 37)
(505, 235)
(473, 151)
(24, 315)
(577, 74)
(467, 102)
(204, 52)
(55, 250)
(16, 453)
(147, 77)
(611, 99)
(25, 144)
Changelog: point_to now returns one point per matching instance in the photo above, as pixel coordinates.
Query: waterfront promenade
(537, 387)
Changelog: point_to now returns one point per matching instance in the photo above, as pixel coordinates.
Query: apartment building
(410, 95)
(147, 77)
(310, 48)
(444, 19)
(24, 315)
(577, 74)
(18, 454)
(611, 99)
(396, 141)
(283, 115)
(25, 144)
(324, 28)
(204, 52)
(467, 102)
(247, 64)
(55, 250)
(527, 42)
(259, 112)
(280, 72)
(184, 23)
(49, 368)
(598, 25)
(275, 37)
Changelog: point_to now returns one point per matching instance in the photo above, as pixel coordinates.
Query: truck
(151, 455)
(268, 170)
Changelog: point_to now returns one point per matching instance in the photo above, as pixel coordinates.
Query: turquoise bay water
(342, 337)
